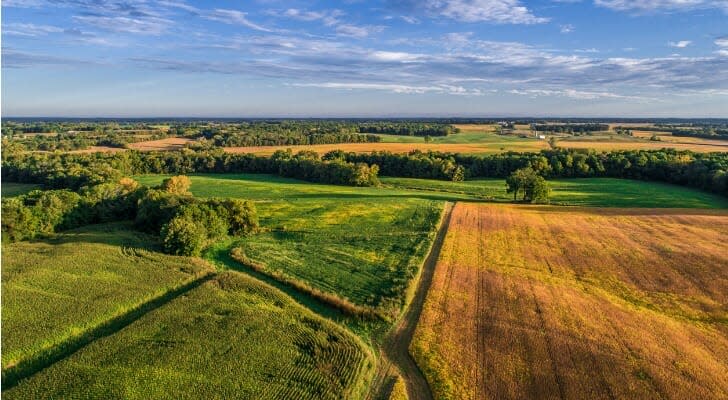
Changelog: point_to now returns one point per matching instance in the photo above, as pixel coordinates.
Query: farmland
(54, 291)
(231, 337)
(356, 244)
(577, 303)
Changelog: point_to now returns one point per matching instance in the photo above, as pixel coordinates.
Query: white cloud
(233, 17)
(493, 11)
(646, 6)
(568, 28)
(681, 44)
(395, 88)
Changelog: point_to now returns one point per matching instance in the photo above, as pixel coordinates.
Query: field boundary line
(26, 368)
(397, 343)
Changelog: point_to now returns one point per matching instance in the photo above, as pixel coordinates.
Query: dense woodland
(79, 135)
(706, 131)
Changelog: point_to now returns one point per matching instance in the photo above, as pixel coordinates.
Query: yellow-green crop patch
(54, 290)
(231, 337)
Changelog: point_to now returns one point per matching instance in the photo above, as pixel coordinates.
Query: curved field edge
(233, 336)
(72, 273)
(512, 314)
(51, 354)
(337, 302)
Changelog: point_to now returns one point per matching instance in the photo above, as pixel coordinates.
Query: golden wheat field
(545, 302)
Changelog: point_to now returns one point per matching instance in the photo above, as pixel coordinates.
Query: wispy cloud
(232, 17)
(492, 11)
(646, 6)
(681, 44)
(330, 18)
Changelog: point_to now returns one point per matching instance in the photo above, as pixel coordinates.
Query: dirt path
(396, 344)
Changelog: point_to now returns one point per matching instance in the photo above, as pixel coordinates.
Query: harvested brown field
(173, 143)
(706, 146)
(545, 302)
(471, 128)
(97, 149)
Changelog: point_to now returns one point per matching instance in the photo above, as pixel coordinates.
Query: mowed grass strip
(57, 289)
(232, 337)
(545, 302)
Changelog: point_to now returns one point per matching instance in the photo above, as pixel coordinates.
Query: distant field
(56, 289)
(232, 337)
(363, 245)
(467, 148)
(173, 143)
(548, 302)
(11, 189)
(594, 192)
(706, 146)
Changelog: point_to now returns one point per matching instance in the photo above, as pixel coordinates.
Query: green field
(232, 337)
(592, 192)
(11, 189)
(55, 290)
(363, 245)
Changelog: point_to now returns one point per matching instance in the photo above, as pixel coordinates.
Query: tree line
(75, 171)
(570, 128)
(707, 171)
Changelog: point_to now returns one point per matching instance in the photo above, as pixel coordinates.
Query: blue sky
(631, 58)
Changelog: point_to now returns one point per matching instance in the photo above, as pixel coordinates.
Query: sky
(356, 58)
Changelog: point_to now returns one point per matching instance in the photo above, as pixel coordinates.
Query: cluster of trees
(570, 128)
(74, 171)
(41, 213)
(533, 186)
(185, 224)
(416, 164)
(408, 128)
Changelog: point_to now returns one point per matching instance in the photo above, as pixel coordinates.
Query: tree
(179, 185)
(428, 138)
(534, 187)
(183, 236)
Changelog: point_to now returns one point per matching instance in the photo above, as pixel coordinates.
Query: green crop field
(57, 289)
(362, 245)
(592, 192)
(231, 337)
(11, 189)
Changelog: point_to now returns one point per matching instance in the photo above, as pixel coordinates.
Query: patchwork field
(548, 302)
(57, 290)
(231, 337)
